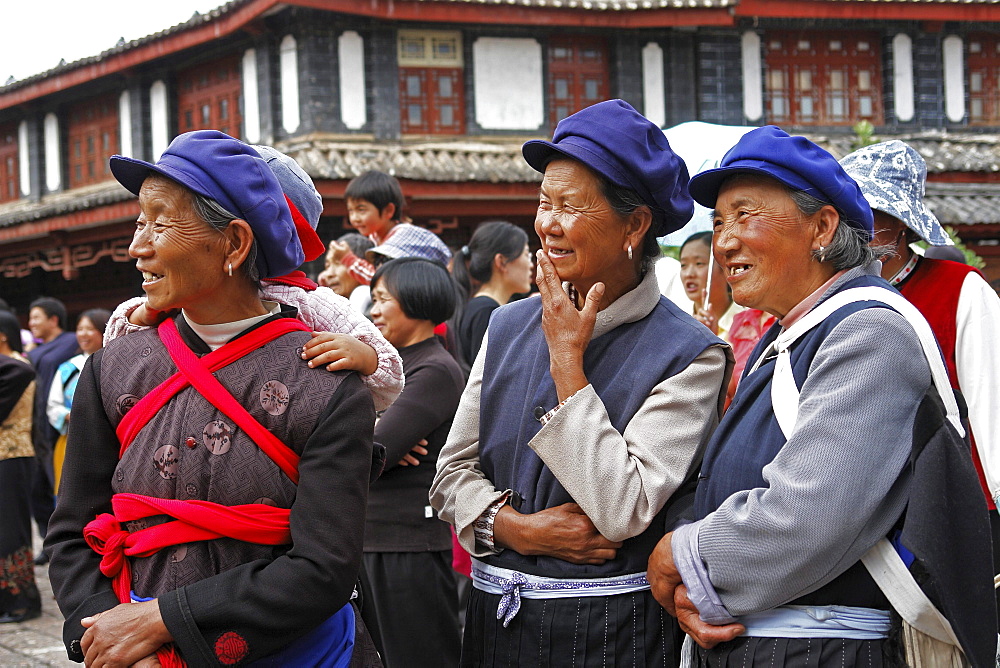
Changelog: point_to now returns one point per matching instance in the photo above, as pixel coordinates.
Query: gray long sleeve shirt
(834, 489)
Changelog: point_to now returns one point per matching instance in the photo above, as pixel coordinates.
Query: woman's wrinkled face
(88, 337)
(387, 315)
(764, 243)
(180, 256)
(336, 277)
(580, 232)
(520, 271)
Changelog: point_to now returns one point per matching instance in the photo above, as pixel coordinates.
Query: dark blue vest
(623, 365)
(749, 438)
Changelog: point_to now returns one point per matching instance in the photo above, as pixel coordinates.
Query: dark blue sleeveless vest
(749, 438)
(623, 365)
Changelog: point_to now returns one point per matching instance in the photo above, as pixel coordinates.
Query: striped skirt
(623, 630)
(795, 653)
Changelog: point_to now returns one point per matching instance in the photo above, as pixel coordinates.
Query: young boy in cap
(374, 202)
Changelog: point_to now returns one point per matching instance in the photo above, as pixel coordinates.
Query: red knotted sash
(194, 520)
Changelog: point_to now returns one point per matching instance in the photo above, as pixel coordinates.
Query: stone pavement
(39, 641)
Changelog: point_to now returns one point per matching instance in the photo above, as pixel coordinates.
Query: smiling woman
(570, 444)
(818, 458)
(205, 421)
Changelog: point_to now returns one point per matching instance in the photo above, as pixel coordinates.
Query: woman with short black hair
(407, 548)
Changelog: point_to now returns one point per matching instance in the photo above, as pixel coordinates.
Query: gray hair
(219, 218)
(624, 201)
(849, 247)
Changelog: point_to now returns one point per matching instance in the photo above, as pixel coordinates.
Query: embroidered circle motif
(231, 648)
(265, 501)
(165, 460)
(178, 553)
(125, 402)
(146, 352)
(274, 397)
(217, 437)
(191, 489)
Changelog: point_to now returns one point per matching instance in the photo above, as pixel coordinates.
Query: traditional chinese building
(443, 92)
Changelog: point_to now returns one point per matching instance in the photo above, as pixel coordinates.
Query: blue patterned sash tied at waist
(512, 586)
(818, 621)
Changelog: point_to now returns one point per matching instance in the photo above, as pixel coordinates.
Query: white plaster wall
(125, 124)
(53, 153)
(289, 59)
(753, 85)
(351, 58)
(158, 119)
(902, 76)
(251, 98)
(653, 95)
(954, 78)
(507, 76)
(23, 161)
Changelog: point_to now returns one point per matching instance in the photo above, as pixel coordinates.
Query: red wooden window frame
(208, 97)
(92, 133)
(10, 184)
(983, 63)
(823, 77)
(431, 100)
(578, 74)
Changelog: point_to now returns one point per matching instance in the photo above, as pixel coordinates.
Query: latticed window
(9, 188)
(92, 134)
(823, 78)
(431, 89)
(578, 74)
(208, 97)
(983, 58)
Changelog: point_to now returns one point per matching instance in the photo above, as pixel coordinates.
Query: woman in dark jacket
(407, 548)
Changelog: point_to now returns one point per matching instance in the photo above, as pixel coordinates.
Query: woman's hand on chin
(567, 330)
(124, 635)
(564, 532)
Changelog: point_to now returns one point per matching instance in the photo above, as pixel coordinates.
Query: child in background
(374, 205)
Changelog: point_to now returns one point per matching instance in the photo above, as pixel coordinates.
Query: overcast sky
(37, 33)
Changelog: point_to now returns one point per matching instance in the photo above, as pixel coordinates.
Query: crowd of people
(489, 457)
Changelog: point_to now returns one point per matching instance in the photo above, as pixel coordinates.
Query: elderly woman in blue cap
(585, 412)
(843, 433)
(214, 494)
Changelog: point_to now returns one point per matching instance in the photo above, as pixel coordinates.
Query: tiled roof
(964, 203)
(600, 5)
(196, 20)
(943, 151)
(500, 161)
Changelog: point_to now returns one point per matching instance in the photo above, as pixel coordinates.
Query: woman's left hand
(124, 635)
(567, 330)
(705, 634)
(340, 352)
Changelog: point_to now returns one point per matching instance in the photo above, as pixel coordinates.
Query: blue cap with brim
(794, 161)
(623, 146)
(233, 174)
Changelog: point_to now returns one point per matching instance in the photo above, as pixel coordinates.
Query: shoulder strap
(784, 391)
(882, 561)
(195, 372)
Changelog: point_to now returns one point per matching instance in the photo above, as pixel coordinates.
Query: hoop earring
(630, 251)
(230, 269)
(822, 253)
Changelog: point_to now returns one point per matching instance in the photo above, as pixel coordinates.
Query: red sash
(194, 520)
